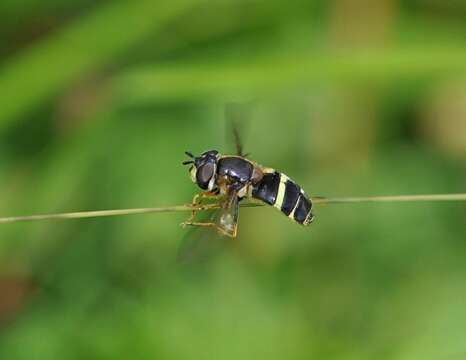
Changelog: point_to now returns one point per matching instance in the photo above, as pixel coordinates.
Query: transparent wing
(202, 243)
(236, 115)
(227, 218)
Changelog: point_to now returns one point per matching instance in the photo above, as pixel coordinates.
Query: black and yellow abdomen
(280, 191)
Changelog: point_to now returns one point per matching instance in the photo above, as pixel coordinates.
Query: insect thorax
(237, 173)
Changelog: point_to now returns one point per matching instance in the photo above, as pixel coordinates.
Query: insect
(232, 178)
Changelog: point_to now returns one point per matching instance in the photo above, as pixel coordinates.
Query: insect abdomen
(278, 190)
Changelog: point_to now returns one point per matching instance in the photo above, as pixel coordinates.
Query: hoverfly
(232, 178)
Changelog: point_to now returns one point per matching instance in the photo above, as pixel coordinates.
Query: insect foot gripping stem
(197, 201)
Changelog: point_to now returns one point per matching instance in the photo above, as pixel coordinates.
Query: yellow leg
(197, 200)
(218, 228)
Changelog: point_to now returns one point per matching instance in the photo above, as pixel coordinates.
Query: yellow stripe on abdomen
(281, 191)
(285, 195)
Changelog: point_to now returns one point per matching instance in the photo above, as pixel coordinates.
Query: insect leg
(213, 225)
(197, 200)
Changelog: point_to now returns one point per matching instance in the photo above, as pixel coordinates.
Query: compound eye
(204, 175)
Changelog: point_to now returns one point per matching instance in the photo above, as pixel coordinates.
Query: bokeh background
(98, 102)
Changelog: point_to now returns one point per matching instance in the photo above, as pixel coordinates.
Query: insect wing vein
(227, 218)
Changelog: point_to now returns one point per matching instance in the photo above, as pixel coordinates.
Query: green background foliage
(99, 100)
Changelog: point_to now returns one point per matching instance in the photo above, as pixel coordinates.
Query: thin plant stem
(400, 198)
(205, 207)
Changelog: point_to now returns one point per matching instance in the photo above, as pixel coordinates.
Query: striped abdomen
(278, 190)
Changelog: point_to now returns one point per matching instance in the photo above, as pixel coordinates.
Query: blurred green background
(98, 102)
